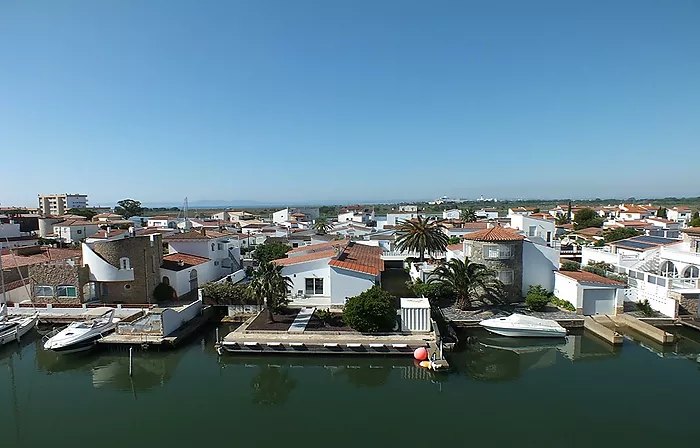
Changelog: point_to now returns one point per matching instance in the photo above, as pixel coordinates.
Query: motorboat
(80, 336)
(520, 325)
(13, 328)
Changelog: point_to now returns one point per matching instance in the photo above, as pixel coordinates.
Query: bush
(537, 298)
(646, 309)
(432, 291)
(570, 266)
(226, 293)
(372, 311)
(556, 301)
(164, 293)
(272, 251)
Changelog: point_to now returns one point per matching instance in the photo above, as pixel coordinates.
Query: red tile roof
(112, 233)
(692, 230)
(193, 235)
(496, 233)
(172, 262)
(589, 277)
(330, 253)
(360, 258)
(590, 231)
(9, 261)
(318, 247)
(454, 247)
(160, 218)
(75, 223)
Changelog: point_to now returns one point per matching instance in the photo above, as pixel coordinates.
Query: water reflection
(686, 343)
(272, 385)
(111, 369)
(492, 358)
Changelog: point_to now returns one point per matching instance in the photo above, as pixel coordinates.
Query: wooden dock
(655, 334)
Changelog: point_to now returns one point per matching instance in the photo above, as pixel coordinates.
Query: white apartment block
(58, 204)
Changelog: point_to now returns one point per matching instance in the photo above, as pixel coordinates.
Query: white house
(223, 248)
(233, 216)
(533, 228)
(521, 211)
(408, 208)
(350, 230)
(186, 272)
(487, 213)
(454, 213)
(328, 274)
(11, 236)
(285, 215)
(73, 231)
(681, 214)
(630, 212)
(590, 293)
(392, 219)
(161, 222)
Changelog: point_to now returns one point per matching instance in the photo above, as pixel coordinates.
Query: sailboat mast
(2, 280)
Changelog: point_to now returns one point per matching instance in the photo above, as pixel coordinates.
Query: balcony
(679, 255)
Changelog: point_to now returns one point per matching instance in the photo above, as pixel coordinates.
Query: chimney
(109, 229)
(180, 263)
(203, 231)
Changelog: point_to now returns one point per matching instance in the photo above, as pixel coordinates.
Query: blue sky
(308, 101)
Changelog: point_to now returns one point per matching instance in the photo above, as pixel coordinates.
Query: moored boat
(13, 328)
(80, 336)
(520, 325)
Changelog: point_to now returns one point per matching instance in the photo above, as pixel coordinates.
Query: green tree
(620, 233)
(562, 219)
(570, 265)
(372, 311)
(267, 252)
(469, 215)
(454, 240)
(661, 213)
(468, 281)
(322, 226)
(85, 212)
(587, 217)
(695, 222)
(269, 286)
(164, 293)
(421, 235)
(128, 208)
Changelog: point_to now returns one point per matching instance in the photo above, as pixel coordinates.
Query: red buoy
(421, 354)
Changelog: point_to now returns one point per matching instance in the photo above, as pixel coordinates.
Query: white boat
(13, 328)
(80, 336)
(520, 325)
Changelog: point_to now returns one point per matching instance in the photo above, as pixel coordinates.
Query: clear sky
(348, 100)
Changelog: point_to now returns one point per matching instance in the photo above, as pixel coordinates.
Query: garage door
(599, 301)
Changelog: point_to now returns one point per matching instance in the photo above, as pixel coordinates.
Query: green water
(582, 393)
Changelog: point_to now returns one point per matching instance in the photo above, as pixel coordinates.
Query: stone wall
(688, 304)
(515, 263)
(145, 257)
(58, 274)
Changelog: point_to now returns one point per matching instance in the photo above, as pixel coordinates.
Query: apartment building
(58, 204)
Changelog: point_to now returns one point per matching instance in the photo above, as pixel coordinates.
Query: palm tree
(269, 285)
(469, 215)
(421, 235)
(322, 226)
(467, 281)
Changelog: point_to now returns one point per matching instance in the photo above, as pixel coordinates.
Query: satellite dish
(566, 241)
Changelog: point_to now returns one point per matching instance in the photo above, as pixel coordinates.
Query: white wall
(180, 280)
(532, 227)
(539, 264)
(9, 230)
(451, 214)
(201, 248)
(280, 216)
(74, 234)
(567, 288)
(20, 294)
(298, 273)
(101, 271)
(346, 284)
(172, 319)
(394, 218)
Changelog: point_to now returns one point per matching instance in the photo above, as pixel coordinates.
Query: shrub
(273, 251)
(164, 293)
(569, 266)
(372, 311)
(556, 301)
(226, 293)
(431, 291)
(537, 298)
(645, 309)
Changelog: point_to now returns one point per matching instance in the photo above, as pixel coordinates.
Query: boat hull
(80, 345)
(15, 334)
(526, 333)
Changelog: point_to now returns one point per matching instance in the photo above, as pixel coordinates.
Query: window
(468, 250)
(220, 246)
(314, 286)
(498, 251)
(43, 291)
(668, 269)
(691, 272)
(212, 247)
(124, 263)
(532, 231)
(506, 277)
(66, 291)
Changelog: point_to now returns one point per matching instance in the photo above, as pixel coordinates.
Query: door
(598, 301)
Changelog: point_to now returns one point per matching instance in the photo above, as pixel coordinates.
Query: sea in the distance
(581, 393)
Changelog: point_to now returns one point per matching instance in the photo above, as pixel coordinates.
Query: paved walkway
(299, 324)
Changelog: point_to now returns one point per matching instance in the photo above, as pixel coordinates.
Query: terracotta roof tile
(692, 231)
(9, 261)
(194, 235)
(496, 233)
(172, 262)
(330, 253)
(589, 277)
(360, 258)
(454, 247)
(590, 231)
(318, 247)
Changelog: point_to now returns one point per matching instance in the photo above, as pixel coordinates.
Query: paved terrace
(471, 318)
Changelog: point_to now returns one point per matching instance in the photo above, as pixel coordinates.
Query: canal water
(500, 393)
